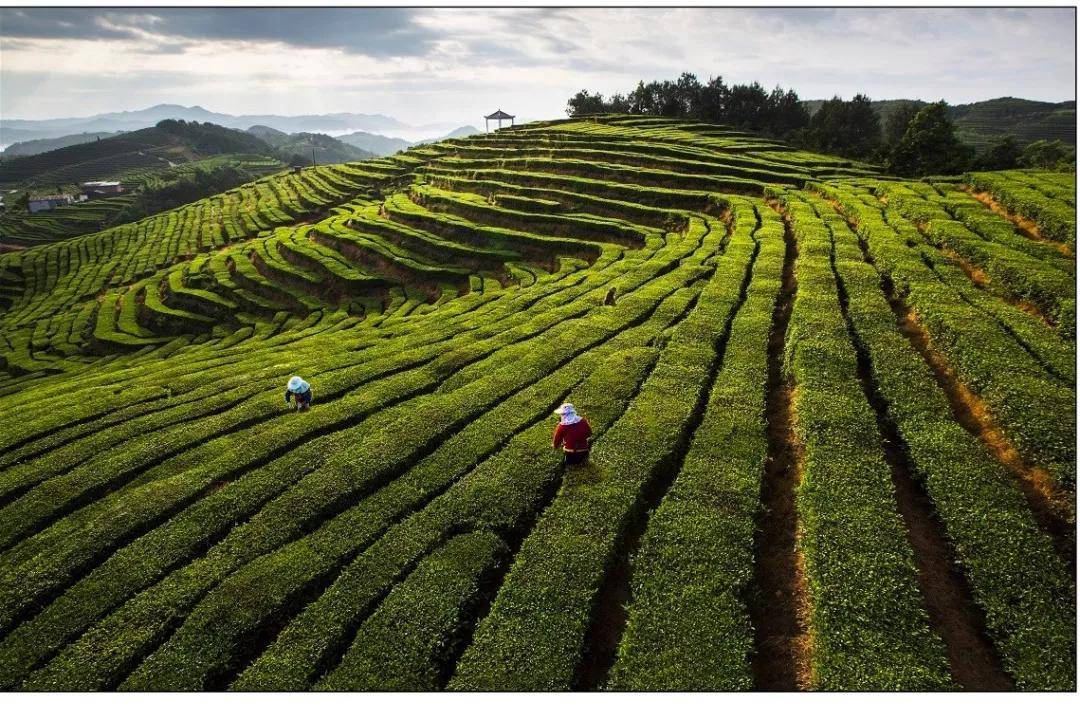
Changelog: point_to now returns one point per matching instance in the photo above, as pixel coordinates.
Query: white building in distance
(102, 187)
(48, 202)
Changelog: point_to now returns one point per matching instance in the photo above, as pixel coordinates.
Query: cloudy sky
(450, 65)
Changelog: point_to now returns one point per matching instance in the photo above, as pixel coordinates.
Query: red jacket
(573, 438)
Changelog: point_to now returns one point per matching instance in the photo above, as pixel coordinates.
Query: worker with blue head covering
(299, 389)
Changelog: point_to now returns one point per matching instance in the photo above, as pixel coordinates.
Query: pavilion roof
(499, 115)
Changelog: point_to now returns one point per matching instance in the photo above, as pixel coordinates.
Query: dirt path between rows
(611, 613)
(973, 660)
(981, 280)
(1053, 512)
(1026, 227)
(780, 606)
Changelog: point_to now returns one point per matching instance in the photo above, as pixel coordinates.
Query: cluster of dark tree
(914, 141)
(1005, 153)
(158, 196)
(747, 107)
(210, 139)
(919, 141)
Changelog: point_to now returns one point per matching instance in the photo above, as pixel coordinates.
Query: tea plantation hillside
(168, 143)
(833, 424)
(20, 228)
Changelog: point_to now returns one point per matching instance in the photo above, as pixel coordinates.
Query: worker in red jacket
(572, 434)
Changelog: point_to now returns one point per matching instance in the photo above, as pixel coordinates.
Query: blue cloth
(304, 397)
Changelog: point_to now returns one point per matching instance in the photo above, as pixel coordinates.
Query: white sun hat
(296, 384)
(568, 414)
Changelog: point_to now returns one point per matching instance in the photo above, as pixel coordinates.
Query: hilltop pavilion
(500, 116)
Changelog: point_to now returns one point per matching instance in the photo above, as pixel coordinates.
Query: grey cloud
(379, 32)
(963, 54)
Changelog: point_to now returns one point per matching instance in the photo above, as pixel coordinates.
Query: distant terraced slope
(416, 228)
(20, 228)
(832, 411)
(979, 123)
(167, 143)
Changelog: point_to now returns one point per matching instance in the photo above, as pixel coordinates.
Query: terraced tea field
(21, 229)
(833, 414)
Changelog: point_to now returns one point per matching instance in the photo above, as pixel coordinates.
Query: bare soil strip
(780, 603)
(612, 604)
(1052, 509)
(976, 275)
(973, 661)
(1024, 226)
(981, 280)
(1004, 327)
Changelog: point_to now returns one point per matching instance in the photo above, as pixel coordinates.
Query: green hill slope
(167, 143)
(33, 147)
(832, 420)
(375, 144)
(268, 134)
(146, 192)
(296, 148)
(979, 123)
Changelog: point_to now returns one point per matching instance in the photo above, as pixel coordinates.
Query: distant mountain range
(289, 147)
(1027, 120)
(34, 147)
(382, 145)
(296, 148)
(14, 130)
(979, 123)
(165, 144)
(376, 144)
